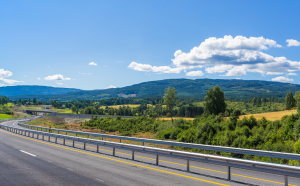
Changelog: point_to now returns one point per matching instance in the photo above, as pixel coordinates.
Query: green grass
(7, 105)
(6, 116)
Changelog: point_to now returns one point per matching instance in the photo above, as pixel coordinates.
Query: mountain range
(186, 88)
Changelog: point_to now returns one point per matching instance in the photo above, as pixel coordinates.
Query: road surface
(31, 161)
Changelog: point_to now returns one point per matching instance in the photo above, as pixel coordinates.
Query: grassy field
(117, 106)
(169, 119)
(5, 116)
(272, 115)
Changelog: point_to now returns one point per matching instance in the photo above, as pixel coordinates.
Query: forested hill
(188, 88)
(33, 90)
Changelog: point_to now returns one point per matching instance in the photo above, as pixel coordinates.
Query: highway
(31, 161)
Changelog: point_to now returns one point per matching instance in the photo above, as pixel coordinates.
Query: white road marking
(28, 153)
(99, 180)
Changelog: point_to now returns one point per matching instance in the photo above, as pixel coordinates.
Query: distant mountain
(34, 90)
(185, 88)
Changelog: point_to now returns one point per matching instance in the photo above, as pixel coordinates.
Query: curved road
(31, 161)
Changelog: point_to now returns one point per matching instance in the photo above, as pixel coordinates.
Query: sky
(106, 44)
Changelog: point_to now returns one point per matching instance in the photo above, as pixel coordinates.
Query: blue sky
(53, 42)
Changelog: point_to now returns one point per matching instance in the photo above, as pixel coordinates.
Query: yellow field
(117, 106)
(169, 119)
(271, 115)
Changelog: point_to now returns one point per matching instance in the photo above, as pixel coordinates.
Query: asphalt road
(31, 161)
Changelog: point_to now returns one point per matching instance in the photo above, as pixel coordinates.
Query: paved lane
(206, 172)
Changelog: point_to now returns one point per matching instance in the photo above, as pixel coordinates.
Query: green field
(5, 116)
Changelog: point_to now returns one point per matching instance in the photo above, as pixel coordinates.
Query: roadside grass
(6, 116)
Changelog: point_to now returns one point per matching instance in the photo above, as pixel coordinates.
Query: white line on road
(28, 153)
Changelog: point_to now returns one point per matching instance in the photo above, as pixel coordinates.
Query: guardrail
(213, 148)
(285, 170)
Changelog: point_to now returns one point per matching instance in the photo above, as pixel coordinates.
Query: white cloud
(4, 74)
(2, 85)
(59, 83)
(39, 78)
(57, 77)
(110, 86)
(292, 42)
(158, 69)
(237, 78)
(93, 63)
(282, 79)
(195, 73)
(218, 69)
(232, 56)
(292, 74)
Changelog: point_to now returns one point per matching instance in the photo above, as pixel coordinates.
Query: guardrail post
(88, 136)
(97, 148)
(48, 138)
(213, 152)
(157, 159)
(84, 145)
(114, 151)
(120, 141)
(188, 165)
(271, 159)
(37, 136)
(55, 139)
(228, 173)
(43, 137)
(73, 143)
(64, 143)
(76, 134)
(57, 132)
(133, 155)
(286, 180)
(143, 144)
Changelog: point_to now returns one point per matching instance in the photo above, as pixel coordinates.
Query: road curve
(28, 161)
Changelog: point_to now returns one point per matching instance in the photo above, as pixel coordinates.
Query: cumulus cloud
(4, 74)
(292, 74)
(292, 42)
(59, 83)
(2, 85)
(110, 86)
(57, 77)
(158, 69)
(234, 56)
(195, 73)
(282, 79)
(93, 63)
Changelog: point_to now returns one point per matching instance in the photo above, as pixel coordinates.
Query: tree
(290, 102)
(215, 101)
(297, 98)
(169, 99)
(34, 101)
(254, 101)
(153, 102)
(258, 101)
(74, 109)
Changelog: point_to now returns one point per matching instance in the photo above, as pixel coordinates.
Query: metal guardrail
(285, 170)
(213, 148)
